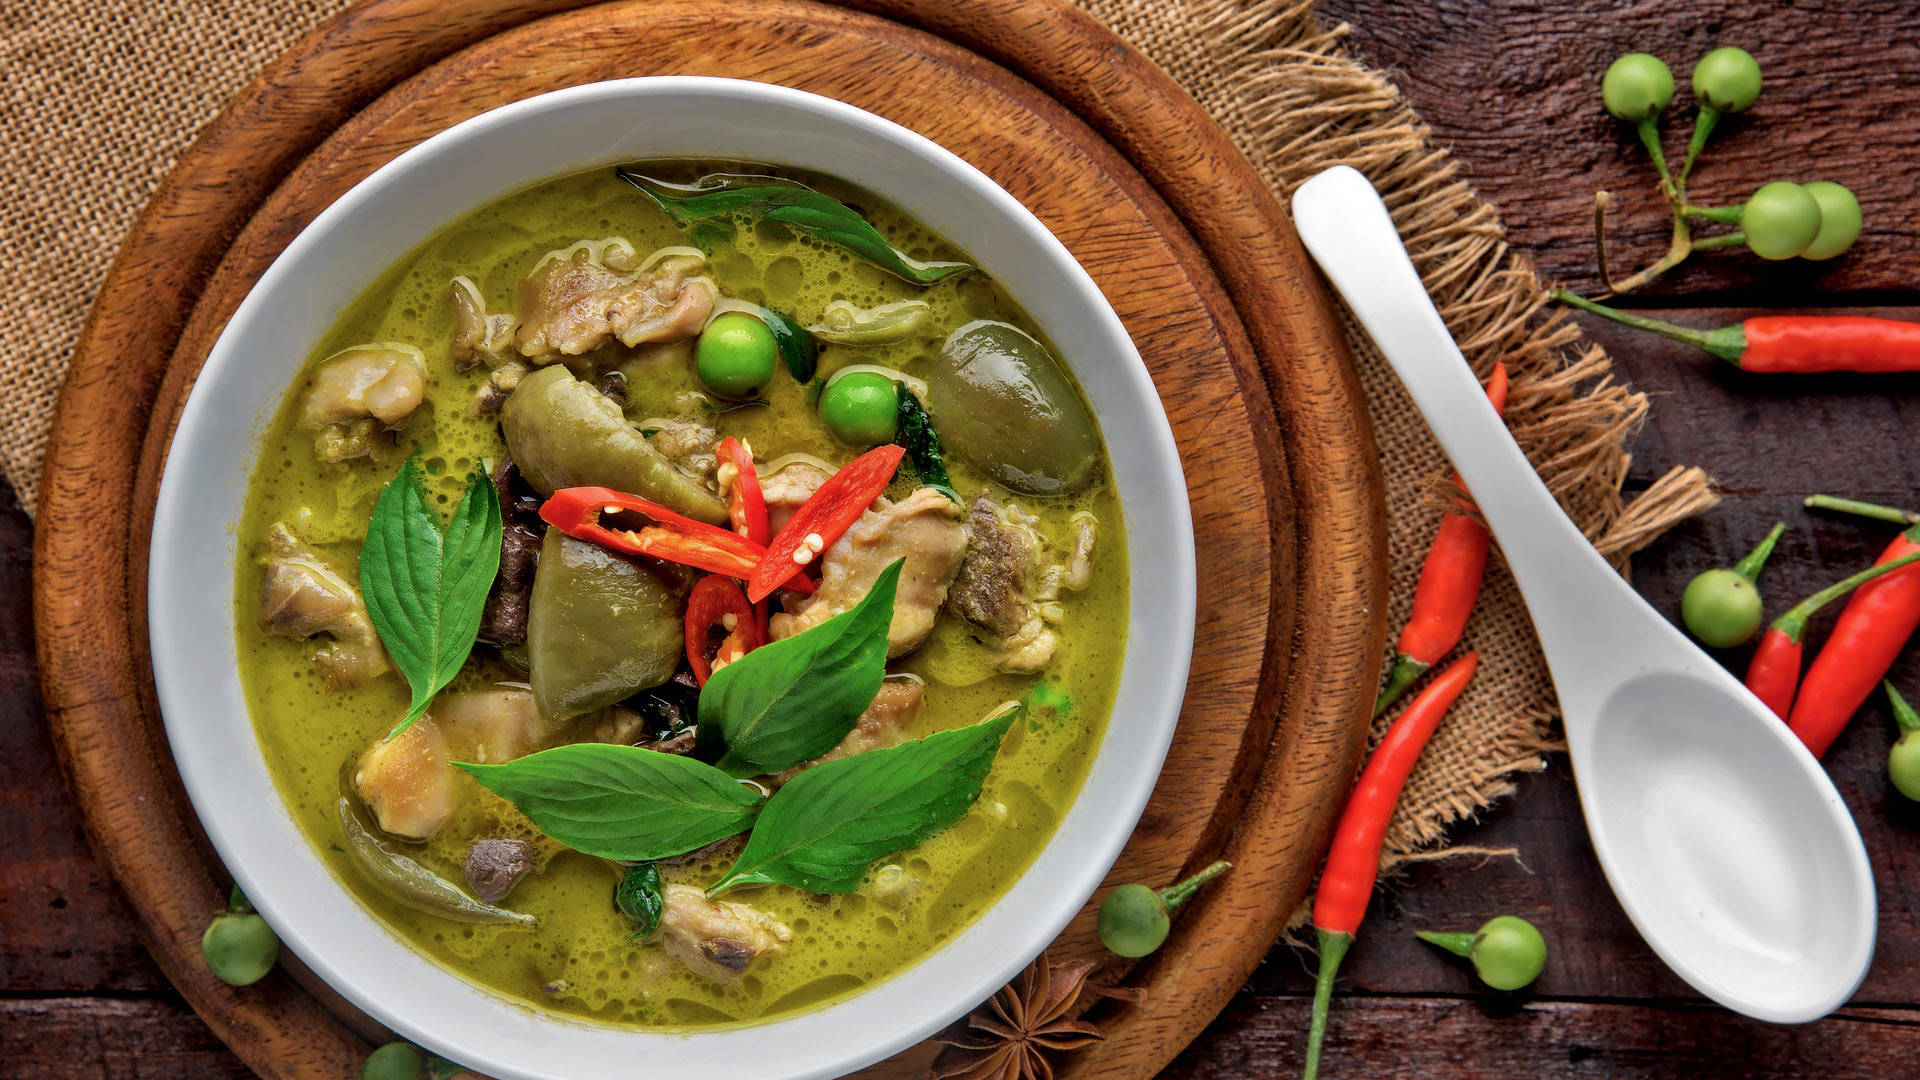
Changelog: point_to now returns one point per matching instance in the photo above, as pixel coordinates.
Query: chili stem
(1459, 943)
(1727, 343)
(1862, 509)
(1175, 895)
(1794, 622)
(1749, 567)
(1903, 713)
(1405, 671)
(1333, 949)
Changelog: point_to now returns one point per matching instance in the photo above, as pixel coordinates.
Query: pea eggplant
(1721, 607)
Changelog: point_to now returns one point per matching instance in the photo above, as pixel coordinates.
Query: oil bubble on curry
(681, 595)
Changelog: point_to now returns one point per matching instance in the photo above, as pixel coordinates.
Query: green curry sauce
(580, 960)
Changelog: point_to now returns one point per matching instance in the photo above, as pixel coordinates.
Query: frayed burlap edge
(1290, 95)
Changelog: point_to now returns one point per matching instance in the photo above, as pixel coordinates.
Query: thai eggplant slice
(600, 627)
(564, 433)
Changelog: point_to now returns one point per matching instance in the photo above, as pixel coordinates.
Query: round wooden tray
(1171, 222)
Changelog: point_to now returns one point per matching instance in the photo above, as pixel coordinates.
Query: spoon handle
(1347, 229)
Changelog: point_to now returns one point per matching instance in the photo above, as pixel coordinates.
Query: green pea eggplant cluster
(1784, 219)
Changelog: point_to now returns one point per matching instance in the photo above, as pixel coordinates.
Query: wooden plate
(1171, 222)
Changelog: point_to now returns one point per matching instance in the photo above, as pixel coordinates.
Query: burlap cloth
(104, 96)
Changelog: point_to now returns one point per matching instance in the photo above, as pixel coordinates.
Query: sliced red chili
(581, 512)
(822, 519)
(710, 604)
(746, 505)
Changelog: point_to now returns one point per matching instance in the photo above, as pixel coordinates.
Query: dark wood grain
(1513, 88)
(1403, 1038)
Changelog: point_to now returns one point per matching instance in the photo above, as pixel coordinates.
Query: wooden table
(1511, 86)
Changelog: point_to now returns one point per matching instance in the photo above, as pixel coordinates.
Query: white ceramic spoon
(1722, 837)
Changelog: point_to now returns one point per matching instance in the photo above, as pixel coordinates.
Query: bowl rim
(1133, 779)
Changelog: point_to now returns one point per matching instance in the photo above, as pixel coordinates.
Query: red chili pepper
(746, 506)
(823, 518)
(713, 599)
(1869, 634)
(676, 538)
(1354, 859)
(1783, 344)
(1774, 672)
(1448, 588)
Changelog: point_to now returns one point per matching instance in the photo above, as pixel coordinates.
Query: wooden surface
(1264, 749)
(1508, 85)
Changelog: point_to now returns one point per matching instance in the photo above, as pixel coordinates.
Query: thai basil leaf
(795, 343)
(914, 431)
(770, 198)
(425, 584)
(823, 829)
(622, 802)
(790, 701)
(639, 898)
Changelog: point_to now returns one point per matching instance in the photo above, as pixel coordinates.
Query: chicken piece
(1008, 588)
(884, 723)
(787, 489)
(477, 336)
(493, 725)
(924, 529)
(359, 388)
(579, 298)
(718, 939)
(1079, 566)
(499, 386)
(686, 443)
(407, 781)
(301, 596)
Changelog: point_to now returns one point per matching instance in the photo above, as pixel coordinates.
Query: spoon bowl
(1723, 839)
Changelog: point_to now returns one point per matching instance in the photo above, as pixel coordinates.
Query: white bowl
(191, 601)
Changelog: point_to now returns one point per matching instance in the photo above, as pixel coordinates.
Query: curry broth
(580, 961)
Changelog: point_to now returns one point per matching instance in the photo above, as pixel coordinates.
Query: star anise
(1008, 1037)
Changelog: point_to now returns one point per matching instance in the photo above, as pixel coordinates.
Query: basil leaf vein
(823, 829)
(622, 802)
(425, 584)
(790, 701)
(790, 204)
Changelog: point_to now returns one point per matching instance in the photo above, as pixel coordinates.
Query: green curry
(527, 331)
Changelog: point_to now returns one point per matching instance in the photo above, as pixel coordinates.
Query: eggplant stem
(1903, 713)
(1459, 943)
(1175, 895)
(1749, 567)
